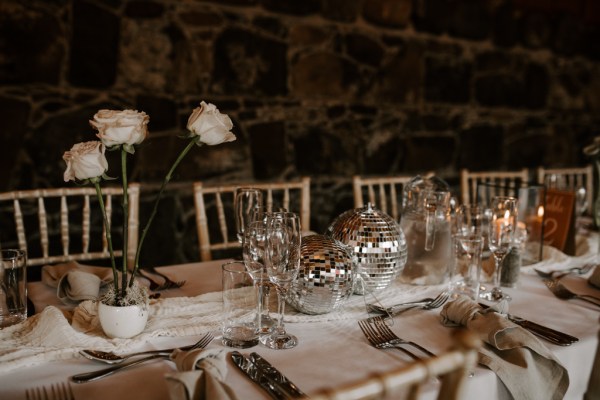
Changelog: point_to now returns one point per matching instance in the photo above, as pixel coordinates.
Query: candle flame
(540, 211)
(506, 217)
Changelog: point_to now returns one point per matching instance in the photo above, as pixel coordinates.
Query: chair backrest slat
(387, 197)
(223, 198)
(86, 226)
(55, 230)
(20, 225)
(43, 226)
(495, 183)
(569, 178)
(64, 224)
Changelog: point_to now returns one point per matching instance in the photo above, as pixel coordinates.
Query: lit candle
(534, 223)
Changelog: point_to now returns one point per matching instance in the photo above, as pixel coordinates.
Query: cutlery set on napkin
(77, 282)
(525, 366)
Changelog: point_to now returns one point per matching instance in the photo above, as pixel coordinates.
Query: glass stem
(498, 273)
(280, 309)
(259, 287)
(266, 289)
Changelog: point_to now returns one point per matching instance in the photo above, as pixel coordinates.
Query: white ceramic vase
(123, 322)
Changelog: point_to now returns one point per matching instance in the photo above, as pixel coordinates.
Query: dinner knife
(269, 370)
(267, 380)
(542, 331)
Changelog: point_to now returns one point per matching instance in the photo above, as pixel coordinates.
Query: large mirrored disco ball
(377, 242)
(326, 276)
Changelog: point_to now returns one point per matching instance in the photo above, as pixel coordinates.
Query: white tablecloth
(330, 353)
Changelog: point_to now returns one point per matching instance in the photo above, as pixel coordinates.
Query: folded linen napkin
(201, 377)
(594, 279)
(526, 367)
(75, 282)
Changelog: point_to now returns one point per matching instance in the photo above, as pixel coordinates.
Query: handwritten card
(559, 220)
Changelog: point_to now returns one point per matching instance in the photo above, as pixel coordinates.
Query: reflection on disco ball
(326, 276)
(377, 242)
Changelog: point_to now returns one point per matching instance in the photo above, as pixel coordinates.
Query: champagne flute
(503, 224)
(282, 256)
(245, 203)
(253, 249)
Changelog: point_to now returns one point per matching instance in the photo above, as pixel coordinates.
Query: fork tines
(378, 341)
(59, 391)
(156, 286)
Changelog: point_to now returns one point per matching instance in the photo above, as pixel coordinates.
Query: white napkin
(50, 335)
(75, 282)
(525, 366)
(201, 377)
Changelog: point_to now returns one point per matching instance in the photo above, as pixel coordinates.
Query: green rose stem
(96, 182)
(125, 220)
(168, 177)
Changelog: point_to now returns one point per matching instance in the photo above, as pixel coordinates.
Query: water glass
(13, 289)
(240, 325)
(467, 265)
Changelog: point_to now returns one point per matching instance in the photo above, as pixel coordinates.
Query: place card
(558, 228)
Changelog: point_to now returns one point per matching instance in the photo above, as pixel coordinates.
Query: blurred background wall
(322, 88)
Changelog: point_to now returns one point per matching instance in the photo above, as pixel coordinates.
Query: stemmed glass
(282, 259)
(246, 202)
(253, 249)
(581, 203)
(248, 206)
(503, 223)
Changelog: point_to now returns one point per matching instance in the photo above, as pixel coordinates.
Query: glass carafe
(426, 224)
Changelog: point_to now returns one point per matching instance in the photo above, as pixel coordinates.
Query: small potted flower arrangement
(123, 309)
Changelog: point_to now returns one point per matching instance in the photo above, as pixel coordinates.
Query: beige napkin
(201, 377)
(75, 282)
(525, 366)
(594, 279)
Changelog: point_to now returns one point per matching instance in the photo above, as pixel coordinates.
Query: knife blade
(287, 385)
(265, 379)
(552, 335)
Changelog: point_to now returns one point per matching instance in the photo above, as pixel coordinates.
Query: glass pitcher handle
(430, 208)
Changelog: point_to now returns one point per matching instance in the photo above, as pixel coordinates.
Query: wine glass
(245, 203)
(501, 232)
(581, 203)
(253, 249)
(282, 260)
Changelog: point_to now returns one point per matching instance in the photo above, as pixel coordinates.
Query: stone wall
(326, 88)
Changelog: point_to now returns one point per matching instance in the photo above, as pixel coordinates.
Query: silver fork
(59, 391)
(155, 286)
(393, 339)
(559, 273)
(392, 311)
(377, 340)
(562, 292)
(92, 376)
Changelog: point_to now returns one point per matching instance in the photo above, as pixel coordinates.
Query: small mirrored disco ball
(326, 276)
(378, 244)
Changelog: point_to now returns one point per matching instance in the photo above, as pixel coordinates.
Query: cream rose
(127, 127)
(210, 125)
(84, 161)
